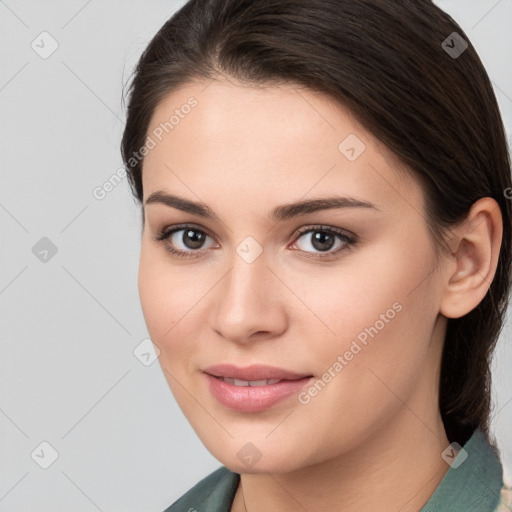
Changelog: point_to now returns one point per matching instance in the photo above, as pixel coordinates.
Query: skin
(372, 438)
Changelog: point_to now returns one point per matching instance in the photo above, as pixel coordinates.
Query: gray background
(71, 324)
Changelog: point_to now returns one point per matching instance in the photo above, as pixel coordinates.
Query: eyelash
(165, 234)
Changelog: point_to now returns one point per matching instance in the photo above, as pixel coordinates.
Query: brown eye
(191, 238)
(323, 239)
(183, 241)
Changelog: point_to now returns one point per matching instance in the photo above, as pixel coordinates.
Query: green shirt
(474, 486)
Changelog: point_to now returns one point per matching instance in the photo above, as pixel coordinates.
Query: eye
(323, 239)
(191, 238)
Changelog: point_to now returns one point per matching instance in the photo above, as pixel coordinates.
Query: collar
(475, 484)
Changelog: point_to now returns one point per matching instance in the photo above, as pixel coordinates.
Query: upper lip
(253, 372)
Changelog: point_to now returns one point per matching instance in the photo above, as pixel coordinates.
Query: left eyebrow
(279, 214)
(288, 211)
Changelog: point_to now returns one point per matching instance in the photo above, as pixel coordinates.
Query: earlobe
(474, 260)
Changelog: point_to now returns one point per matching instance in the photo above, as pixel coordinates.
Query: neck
(392, 469)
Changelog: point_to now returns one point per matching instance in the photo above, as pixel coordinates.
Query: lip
(253, 372)
(253, 398)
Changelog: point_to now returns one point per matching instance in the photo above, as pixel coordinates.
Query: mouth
(261, 389)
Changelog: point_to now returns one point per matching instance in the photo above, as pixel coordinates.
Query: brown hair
(389, 62)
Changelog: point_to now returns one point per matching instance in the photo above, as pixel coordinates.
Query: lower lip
(254, 398)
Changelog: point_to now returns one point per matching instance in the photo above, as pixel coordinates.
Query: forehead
(214, 137)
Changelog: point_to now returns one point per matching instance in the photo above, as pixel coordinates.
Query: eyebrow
(279, 214)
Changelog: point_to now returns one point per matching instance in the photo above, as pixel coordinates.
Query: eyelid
(168, 230)
(323, 227)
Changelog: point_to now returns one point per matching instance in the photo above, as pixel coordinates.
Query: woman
(326, 251)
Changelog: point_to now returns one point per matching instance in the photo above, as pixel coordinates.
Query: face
(345, 297)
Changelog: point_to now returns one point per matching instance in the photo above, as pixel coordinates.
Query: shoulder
(214, 493)
(505, 504)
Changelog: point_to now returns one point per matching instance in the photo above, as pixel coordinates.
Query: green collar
(474, 485)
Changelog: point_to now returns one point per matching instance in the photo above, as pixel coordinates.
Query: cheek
(379, 297)
(152, 283)
(171, 300)
(163, 305)
(161, 298)
(382, 311)
(165, 290)
(370, 288)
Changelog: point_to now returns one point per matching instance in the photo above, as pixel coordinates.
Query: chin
(270, 466)
(245, 457)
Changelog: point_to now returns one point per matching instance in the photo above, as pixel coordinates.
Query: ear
(475, 249)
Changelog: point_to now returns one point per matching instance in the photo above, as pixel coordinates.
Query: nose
(249, 302)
